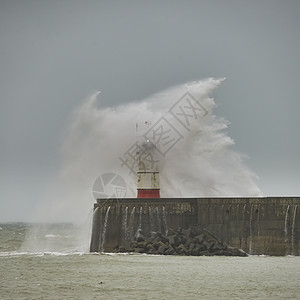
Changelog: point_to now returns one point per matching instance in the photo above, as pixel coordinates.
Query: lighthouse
(148, 173)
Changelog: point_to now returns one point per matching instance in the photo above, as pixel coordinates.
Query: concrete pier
(267, 225)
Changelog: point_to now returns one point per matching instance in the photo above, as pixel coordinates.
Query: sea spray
(125, 225)
(95, 233)
(258, 220)
(164, 215)
(104, 230)
(251, 231)
(200, 164)
(293, 238)
(152, 223)
(158, 220)
(141, 218)
(132, 224)
(286, 229)
(57, 238)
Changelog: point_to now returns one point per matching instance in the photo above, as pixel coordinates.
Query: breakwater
(266, 225)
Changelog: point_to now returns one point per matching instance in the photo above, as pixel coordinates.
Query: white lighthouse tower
(148, 173)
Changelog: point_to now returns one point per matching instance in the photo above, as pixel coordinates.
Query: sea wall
(267, 225)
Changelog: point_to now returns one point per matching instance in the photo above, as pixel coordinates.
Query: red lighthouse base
(148, 193)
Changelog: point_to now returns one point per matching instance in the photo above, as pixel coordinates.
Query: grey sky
(53, 54)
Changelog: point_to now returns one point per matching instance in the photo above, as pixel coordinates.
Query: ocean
(53, 262)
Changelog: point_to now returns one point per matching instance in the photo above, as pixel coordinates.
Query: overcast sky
(53, 54)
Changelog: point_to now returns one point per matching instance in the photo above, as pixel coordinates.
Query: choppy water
(64, 272)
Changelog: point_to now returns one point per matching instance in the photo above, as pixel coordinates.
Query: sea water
(64, 272)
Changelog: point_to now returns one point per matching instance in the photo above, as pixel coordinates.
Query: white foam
(42, 253)
(52, 235)
(201, 164)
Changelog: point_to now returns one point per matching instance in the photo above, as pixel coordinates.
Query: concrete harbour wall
(268, 225)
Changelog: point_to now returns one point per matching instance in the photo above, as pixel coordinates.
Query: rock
(155, 245)
(161, 244)
(180, 242)
(165, 239)
(219, 252)
(187, 243)
(138, 250)
(152, 251)
(173, 240)
(179, 230)
(192, 246)
(162, 249)
(197, 249)
(171, 232)
(133, 245)
(183, 239)
(218, 246)
(181, 250)
(158, 237)
(156, 240)
(140, 238)
(122, 249)
(206, 253)
(187, 232)
(152, 236)
(150, 247)
(208, 245)
(236, 251)
(199, 239)
(196, 231)
(142, 245)
(170, 251)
